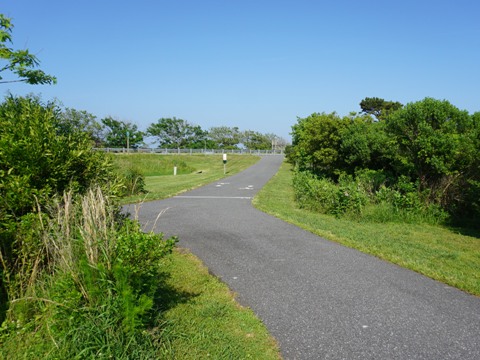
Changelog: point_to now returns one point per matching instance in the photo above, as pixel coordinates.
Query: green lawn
(192, 171)
(440, 253)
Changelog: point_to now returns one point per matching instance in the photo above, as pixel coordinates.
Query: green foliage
(323, 195)
(225, 137)
(429, 134)
(88, 287)
(438, 147)
(430, 145)
(139, 255)
(379, 108)
(316, 141)
(253, 140)
(19, 62)
(366, 198)
(37, 160)
(134, 181)
(121, 134)
(365, 145)
(177, 133)
(71, 121)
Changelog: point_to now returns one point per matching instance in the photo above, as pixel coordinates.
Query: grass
(437, 252)
(202, 319)
(192, 171)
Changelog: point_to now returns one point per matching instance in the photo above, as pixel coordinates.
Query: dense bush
(420, 159)
(79, 279)
(323, 195)
(39, 159)
(316, 143)
(365, 198)
(88, 288)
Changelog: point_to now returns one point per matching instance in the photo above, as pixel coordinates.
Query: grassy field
(192, 171)
(440, 253)
(200, 318)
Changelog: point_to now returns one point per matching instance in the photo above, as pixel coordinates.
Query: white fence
(191, 151)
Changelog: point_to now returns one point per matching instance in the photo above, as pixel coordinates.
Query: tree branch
(12, 81)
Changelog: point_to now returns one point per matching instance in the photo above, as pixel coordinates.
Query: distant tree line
(169, 133)
(416, 157)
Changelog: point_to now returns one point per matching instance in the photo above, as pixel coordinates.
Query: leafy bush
(357, 198)
(90, 284)
(38, 159)
(430, 146)
(351, 197)
(322, 195)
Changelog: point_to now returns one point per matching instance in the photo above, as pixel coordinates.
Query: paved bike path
(319, 299)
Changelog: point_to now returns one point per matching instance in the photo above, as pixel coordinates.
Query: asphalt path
(319, 299)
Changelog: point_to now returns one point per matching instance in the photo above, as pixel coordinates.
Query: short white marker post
(174, 171)
(224, 164)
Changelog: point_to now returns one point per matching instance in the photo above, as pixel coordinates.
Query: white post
(174, 171)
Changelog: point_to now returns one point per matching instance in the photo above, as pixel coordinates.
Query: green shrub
(86, 290)
(314, 193)
(351, 197)
(323, 195)
(134, 182)
(357, 198)
(371, 180)
(38, 159)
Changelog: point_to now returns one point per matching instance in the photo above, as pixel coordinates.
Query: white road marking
(249, 187)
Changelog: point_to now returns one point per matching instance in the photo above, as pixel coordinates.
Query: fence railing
(191, 151)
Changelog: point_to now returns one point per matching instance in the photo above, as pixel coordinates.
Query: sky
(254, 64)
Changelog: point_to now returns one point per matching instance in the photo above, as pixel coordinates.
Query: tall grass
(89, 289)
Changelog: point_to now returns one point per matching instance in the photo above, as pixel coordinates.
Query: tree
(365, 145)
(19, 62)
(434, 142)
(316, 142)
(225, 137)
(379, 107)
(117, 133)
(71, 120)
(177, 133)
(253, 140)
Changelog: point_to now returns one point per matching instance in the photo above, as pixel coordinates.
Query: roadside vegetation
(79, 280)
(398, 182)
(416, 163)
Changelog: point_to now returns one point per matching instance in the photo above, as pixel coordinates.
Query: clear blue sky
(252, 64)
